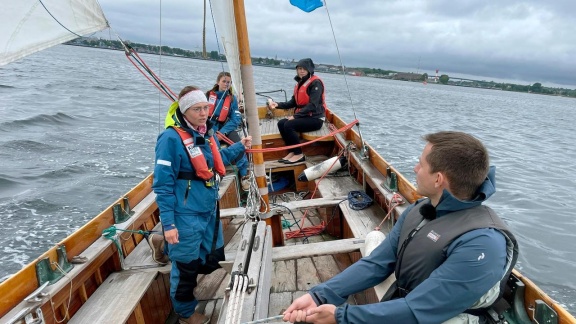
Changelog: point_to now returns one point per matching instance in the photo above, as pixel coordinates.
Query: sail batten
(27, 27)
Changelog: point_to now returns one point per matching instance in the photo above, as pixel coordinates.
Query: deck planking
(296, 267)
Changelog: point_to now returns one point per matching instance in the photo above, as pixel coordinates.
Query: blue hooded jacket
(451, 289)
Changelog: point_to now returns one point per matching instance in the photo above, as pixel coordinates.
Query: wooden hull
(103, 277)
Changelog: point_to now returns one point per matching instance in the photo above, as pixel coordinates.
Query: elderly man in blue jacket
(451, 255)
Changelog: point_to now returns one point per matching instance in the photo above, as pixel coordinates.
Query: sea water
(78, 128)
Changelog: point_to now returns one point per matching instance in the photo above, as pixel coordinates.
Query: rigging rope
(363, 148)
(160, 68)
(59, 23)
(215, 35)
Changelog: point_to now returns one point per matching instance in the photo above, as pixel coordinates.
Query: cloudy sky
(521, 41)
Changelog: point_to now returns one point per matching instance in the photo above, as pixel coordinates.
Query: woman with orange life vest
(308, 99)
(188, 166)
(226, 117)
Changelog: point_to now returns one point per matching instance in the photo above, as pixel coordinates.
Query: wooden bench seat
(112, 301)
(269, 130)
(119, 297)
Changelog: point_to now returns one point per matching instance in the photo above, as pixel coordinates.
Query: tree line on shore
(362, 71)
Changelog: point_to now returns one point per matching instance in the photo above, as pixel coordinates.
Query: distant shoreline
(444, 79)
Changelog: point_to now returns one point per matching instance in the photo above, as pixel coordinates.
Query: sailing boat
(113, 280)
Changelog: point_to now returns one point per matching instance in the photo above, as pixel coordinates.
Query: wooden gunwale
(533, 293)
(21, 284)
(405, 188)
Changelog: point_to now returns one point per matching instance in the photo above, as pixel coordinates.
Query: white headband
(190, 99)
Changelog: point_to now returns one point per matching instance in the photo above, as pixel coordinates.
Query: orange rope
(395, 201)
(332, 128)
(274, 149)
(317, 229)
(223, 137)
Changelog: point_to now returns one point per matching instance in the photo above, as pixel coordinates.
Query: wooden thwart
(316, 249)
(269, 130)
(293, 205)
(115, 300)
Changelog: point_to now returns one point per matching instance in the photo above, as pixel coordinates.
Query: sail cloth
(26, 26)
(307, 5)
(226, 29)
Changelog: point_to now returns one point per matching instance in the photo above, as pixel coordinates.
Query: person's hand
(297, 311)
(323, 314)
(290, 117)
(271, 104)
(246, 141)
(171, 236)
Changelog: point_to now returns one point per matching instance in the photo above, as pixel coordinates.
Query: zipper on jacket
(187, 190)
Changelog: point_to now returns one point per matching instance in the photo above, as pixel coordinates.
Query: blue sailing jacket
(188, 205)
(234, 117)
(451, 288)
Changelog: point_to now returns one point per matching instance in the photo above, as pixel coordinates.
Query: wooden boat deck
(292, 275)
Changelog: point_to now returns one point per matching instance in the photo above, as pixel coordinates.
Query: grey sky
(521, 41)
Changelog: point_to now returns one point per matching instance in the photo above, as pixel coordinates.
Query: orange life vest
(212, 98)
(197, 157)
(301, 94)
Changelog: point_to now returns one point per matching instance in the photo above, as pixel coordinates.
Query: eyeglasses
(197, 109)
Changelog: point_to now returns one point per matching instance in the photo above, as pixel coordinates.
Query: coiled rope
(359, 200)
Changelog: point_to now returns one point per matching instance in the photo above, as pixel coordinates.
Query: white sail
(227, 36)
(27, 27)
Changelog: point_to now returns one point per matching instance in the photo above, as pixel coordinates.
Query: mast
(204, 34)
(247, 76)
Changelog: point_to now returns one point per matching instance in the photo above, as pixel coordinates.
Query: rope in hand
(266, 320)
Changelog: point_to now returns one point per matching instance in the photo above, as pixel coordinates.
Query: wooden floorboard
(300, 265)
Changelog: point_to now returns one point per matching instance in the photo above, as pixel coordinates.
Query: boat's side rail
(102, 260)
(375, 163)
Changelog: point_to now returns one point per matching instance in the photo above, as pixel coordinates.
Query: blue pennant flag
(307, 5)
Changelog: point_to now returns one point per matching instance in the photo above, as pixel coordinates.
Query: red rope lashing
(274, 149)
(223, 137)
